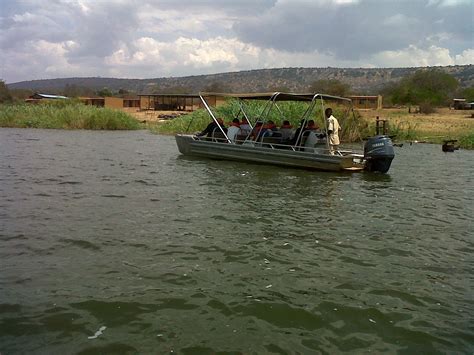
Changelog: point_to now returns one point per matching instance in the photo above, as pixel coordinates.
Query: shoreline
(444, 124)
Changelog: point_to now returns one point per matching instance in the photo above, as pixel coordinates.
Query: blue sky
(149, 39)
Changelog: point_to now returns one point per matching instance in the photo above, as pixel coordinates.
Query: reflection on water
(112, 243)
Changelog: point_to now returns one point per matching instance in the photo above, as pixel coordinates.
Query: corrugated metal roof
(278, 96)
(48, 96)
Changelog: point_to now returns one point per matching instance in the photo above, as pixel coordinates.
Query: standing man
(333, 131)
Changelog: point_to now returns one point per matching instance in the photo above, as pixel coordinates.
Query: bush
(425, 86)
(427, 108)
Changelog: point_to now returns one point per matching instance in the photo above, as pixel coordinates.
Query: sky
(162, 38)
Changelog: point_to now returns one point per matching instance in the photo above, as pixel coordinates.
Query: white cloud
(466, 57)
(153, 38)
(398, 20)
(414, 57)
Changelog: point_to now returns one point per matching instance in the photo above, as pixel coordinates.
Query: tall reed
(69, 115)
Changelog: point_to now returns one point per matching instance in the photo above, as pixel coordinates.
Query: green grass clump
(404, 131)
(65, 115)
(467, 141)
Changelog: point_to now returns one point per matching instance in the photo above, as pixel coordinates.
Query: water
(111, 242)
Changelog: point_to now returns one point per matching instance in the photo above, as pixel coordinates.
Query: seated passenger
(245, 128)
(296, 136)
(257, 130)
(234, 129)
(270, 125)
(311, 126)
(211, 127)
(270, 130)
(311, 140)
(286, 130)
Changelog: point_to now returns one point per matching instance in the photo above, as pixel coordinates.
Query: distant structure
(175, 102)
(462, 104)
(37, 97)
(373, 102)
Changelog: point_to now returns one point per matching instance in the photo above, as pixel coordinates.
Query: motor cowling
(378, 153)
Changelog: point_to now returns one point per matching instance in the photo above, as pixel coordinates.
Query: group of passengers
(287, 135)
(261, 129)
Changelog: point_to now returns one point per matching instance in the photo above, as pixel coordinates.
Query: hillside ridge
(360, 80)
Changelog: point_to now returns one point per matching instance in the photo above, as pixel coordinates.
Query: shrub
(427, 108)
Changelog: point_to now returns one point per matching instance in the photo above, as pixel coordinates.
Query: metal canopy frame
(271, 101)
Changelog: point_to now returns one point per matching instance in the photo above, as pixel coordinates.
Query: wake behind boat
(306, 148)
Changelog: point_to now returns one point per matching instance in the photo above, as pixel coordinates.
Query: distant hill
(361, 80)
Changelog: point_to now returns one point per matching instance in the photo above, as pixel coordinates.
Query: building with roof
(462, 104)
(37, 97)
(176, 102)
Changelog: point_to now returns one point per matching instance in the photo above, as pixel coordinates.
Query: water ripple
(202, 256)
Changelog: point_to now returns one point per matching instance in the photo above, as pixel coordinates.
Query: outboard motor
(378, 153)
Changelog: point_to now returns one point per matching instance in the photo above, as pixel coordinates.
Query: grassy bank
(432, 128)
(65, 115)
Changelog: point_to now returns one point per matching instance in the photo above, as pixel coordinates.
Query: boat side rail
(272, 143)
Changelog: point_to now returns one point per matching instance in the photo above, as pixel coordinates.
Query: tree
(216, 86)
(179, 90)
(468, 94)
(21, 94)
(105, 92)
(123, 92)
(5, 95)
(330, 87)
(432, 87)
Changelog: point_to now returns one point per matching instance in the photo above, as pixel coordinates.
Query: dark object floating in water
(398, 145)
(450, 145)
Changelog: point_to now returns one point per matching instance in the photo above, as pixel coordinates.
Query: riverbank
(433, 128)
(441, 125)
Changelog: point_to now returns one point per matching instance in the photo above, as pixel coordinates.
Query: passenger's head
(328, 112)
(235, 120)
(311, 123)
(258, 123)
(244, 120)
(286, 123)
(220, 120)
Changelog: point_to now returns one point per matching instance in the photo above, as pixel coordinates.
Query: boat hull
(189, 145)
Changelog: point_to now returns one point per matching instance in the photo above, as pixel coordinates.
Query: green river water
(113, 243)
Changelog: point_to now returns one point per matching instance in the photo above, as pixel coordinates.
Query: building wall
(131, 102)
(145, 103)
(93, 101)
(113, 102)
